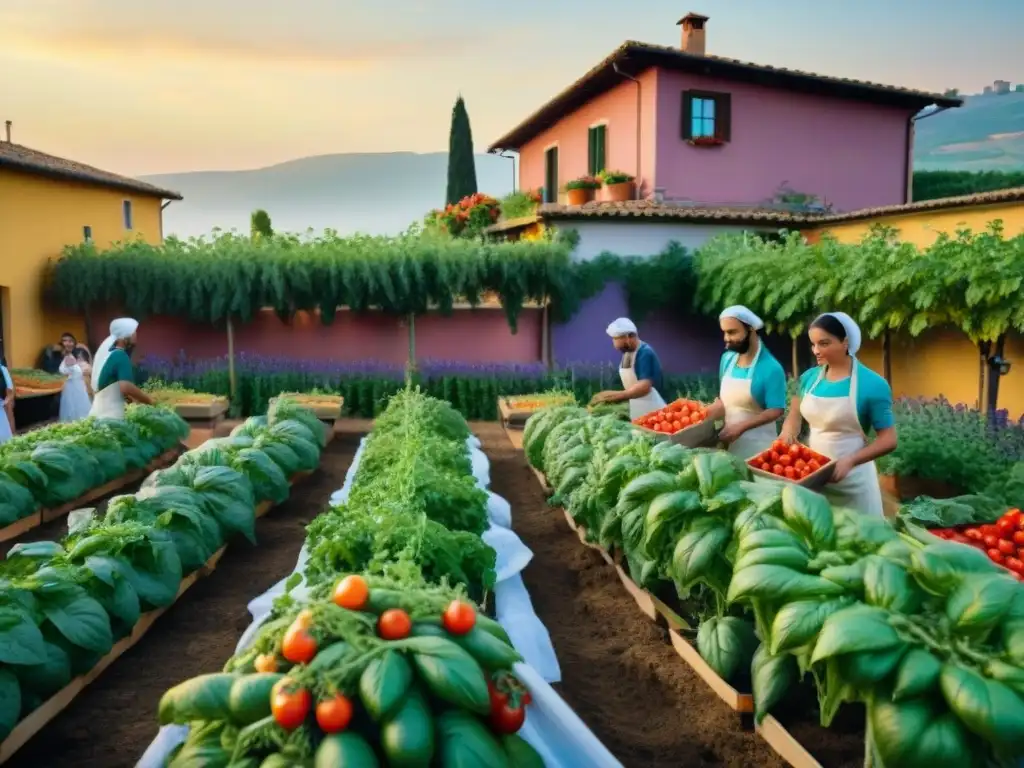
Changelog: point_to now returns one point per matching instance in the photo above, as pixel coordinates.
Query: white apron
(836, 432)
(108, 403)
(5, 425)
(639, 406)
(74, 399)
(741, 406)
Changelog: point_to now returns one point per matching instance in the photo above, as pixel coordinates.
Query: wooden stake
(231, 360)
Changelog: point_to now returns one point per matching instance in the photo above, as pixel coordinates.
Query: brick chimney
(693, 41)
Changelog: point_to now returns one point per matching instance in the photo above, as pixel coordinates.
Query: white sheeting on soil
(554, 730)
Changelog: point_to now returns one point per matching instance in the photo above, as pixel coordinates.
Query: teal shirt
(874, 396)
(118, 367)
(768, 380)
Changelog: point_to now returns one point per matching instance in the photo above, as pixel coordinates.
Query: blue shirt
(767, 379)
(874, 395)
(646, 365)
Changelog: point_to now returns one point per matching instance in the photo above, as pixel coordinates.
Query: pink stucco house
(703, 130)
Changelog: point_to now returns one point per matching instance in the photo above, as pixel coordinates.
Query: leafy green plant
(517, 205)
(584, 182)
(614, 177)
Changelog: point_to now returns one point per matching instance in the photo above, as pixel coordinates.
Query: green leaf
(451, 674)
(727, 644)
(383, 684)
(464, 742)
(920, 734)
(887, 585)
(918, 675)
(987, 707)
(798, 623)
(697, 551)
(10, 703)
(981, 601)
(809, 514)
(21, 642)
(854, 629)
(772, 677)
(83, 622)
(778, 583)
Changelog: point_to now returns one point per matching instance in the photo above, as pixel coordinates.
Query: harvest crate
(327, 408)
(57, 703)
(515, 411)
(784, 745)
(813, 481)
(695, 436)
(739, 702)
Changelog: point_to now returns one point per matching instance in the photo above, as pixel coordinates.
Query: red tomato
(1015, 564)
(779, 446)
(676, 426)
(298, 646)
(334, 714)
(786, 460)
(1014, 515)
(959, 538)
(289, 704)
(459, 617)
(800, 465)
(766, 467)
(989, 530)
(775, 457)
(1007, 547)
(794, 451)
(995, 556)
(1006, 527)
(991, 540)
(351, 592)
(813, 465)
(506, 718)
(778, 469)
(394, 624)
(974, 534)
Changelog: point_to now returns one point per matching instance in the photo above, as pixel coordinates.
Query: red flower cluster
(469, 216)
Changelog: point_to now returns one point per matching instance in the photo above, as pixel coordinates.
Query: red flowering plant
(466, 218)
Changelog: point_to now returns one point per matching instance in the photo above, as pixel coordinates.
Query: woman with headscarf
(842, 400)
(752, 394)
(74, 399)
(113, 380)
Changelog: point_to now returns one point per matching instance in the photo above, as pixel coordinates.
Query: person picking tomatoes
(841, 400)
(639, 371)
(752, 395)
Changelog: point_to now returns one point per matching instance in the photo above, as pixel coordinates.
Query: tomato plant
(459, 617)
(394, 624)
(334, 714)
(352, 592)
(298, 646)
(289, 704)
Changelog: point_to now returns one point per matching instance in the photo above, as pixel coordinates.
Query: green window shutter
(601, 149)
(723, 117)
(591, 150)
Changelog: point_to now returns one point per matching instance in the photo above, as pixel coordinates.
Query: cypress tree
(461, 163)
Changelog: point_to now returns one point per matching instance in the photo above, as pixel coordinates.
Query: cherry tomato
(800, 465)
(989, 530)
(1007, 547)
(394, 624)
(813, 465)
(778, 469)
(766, 467)
(991, 540)
(298, 646)
(794, 451)
(265, 662)
(352, 592)
(1005, 526)
(677, 426)
(995, 556)
(1014, 515)
(785, 460)
(775, 457)
(289, 704)
(779, 445)
(334, 714)
(459, 617)
(974, 534)
(790, 473)
(1015, 564)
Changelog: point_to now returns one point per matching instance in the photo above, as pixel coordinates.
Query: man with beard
(639, 371)
(113, 379)
(752, 397)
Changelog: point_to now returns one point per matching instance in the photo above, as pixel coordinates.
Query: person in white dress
(7, 395)
(752, 397)
(112, 377)
(74, 399)
(842, 400)
(640, 372)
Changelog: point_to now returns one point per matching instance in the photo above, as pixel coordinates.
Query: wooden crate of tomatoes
(684, 422)
(1002, 541)
(794, 463)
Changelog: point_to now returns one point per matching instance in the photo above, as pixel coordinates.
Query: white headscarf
(623, 326)
(853, 337)
(744, 315)
(121, 328)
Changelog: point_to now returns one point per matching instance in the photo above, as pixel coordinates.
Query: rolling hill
(376, 193)
(384, 193)
(985, 134)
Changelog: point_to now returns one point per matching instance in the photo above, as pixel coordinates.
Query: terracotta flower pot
(617, 193)
(580, 195)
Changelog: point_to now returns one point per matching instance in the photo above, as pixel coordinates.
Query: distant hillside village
(998, 88)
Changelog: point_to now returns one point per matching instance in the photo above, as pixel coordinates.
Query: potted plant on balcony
(582, 190)
(618, 186)
(705, 141)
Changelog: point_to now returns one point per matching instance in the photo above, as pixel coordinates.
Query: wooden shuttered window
(551, 175)
(597, 147)
(706, 114)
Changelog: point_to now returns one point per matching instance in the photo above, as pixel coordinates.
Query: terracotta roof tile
(636, 57)
(1012, 195)
(648, 209)
(33, 161)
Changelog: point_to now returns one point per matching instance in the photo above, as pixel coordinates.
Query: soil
(841, 745)
(619, 673)
(111, 723)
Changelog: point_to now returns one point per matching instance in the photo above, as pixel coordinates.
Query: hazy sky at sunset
(140, 86)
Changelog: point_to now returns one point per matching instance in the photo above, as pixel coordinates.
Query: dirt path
(113, 721)
(618, 673)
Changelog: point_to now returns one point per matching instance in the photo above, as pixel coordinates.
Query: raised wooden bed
(515, 436)
(41, 516)
(740, 702)
(640, 597)
(325, 407)
(214, 410)
(785, 746)
(57, 703)
(513, 417)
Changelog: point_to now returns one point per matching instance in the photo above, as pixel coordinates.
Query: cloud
(158, 41)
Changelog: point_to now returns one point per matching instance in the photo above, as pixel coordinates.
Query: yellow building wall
(38, 217)
(940, 361)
